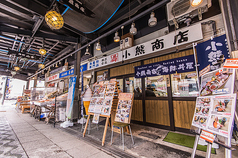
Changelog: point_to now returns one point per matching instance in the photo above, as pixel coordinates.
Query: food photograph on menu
(222, 106)
(219, 124)
(107, 104)
(110, 88)
(217, 82)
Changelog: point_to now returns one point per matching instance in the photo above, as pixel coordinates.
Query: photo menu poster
(124, 107)
(218, 82)
(215, 114)
(109, 94)
(97, 99)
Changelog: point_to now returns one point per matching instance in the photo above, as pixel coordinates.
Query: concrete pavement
(22, 136)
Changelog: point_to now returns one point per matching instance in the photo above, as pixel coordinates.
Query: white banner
(173, 39)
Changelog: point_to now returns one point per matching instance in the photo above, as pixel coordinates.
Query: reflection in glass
(185, 85)
(120, 84)
(156, 86)
(137, 88)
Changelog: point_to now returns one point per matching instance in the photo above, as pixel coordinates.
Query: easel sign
(124, 108)
(101, 104)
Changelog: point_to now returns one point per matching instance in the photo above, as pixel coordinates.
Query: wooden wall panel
(100, 72)
(183, 113)
(124, 69)
(137, 111)
(169, 56)
(157, 112)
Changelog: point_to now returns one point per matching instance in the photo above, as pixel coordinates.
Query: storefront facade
(166, 100)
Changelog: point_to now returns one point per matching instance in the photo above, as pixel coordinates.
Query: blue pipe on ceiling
(11, 39)
(106, 21)
(3, 64)
(2, 50)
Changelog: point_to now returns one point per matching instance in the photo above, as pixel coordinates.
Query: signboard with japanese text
(84, 67)
(209, 53)
(52, 78)
(182, 64)
(66, 73)
(173, 39)
(111, 59)
(231, 63)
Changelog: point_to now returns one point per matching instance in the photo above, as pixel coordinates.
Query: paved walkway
(22, 136)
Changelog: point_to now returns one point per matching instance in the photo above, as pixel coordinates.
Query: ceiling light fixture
(195, 3)
(41, 66)
(54, 19)
(16, 68)
(133, 30)
(116, 37)
(98, 46)
(42, 51)
(153, 20)
(87, 52)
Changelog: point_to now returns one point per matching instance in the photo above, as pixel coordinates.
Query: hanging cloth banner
(181, 65)
(70, 99)
(209, 54)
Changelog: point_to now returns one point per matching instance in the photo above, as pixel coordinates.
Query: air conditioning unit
(180, 10)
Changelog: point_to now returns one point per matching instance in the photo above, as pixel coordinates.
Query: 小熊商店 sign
(182, 36)
(179, 65)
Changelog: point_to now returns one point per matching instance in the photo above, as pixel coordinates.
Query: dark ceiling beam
(38, 34)
(123, 13)
(37, 8)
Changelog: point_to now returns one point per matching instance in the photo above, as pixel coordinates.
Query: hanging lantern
(42, 51)
(16, 68)
(54, 20)
(41, 66)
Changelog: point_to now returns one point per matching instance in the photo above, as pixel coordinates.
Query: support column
(77, 99)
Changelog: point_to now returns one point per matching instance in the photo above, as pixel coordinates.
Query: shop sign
(111, 59)
(179, 65)
(52, 78)
(182, 36)
(66, 73)
(209, 53)
(231, 63)
(208, 136)
(173, 39)
(84, 67)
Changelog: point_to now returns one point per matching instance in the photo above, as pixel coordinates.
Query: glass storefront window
(185, 85)
(156, 86)
(137, 89)
(120, 84)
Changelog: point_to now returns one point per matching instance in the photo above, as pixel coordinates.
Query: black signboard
(79, 7)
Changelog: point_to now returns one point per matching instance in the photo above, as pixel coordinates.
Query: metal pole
(55, 111)
(162, 3)
(195, 144)
(209, 149)
(195, 60)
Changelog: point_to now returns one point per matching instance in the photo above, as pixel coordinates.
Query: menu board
(218, 82)
(109, 94)
(102, 99)
(124, 107)
(215, 114)
(97, 99)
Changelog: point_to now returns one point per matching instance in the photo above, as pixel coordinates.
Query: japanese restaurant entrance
(162, 100)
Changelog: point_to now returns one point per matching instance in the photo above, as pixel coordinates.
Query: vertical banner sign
(209, 53)
(70, 99)
(82, 90)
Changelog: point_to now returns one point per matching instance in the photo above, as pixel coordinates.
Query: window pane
(137, 88)
(156, 86)
(120, 84)
(185, 85)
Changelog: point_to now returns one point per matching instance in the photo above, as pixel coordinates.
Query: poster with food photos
(97, 99)
(215, 114)
(218, 82)
(124, 108)
(96, 118)
(109, 94)
(202, 111)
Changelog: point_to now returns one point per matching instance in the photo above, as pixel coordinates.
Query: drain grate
(149, 135)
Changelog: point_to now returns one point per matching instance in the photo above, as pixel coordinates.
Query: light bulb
(116, 38)
(195, 3)
(133, 30)
(153, 20)
(98, 46)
